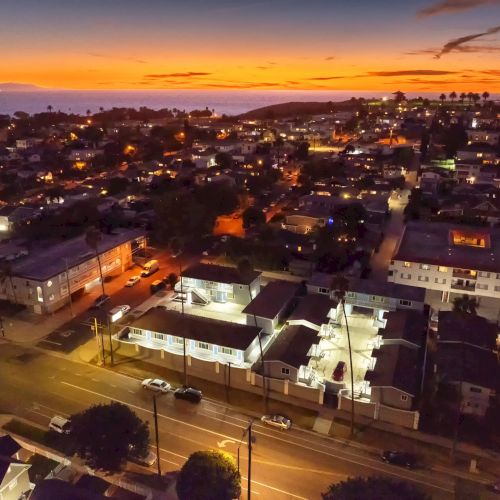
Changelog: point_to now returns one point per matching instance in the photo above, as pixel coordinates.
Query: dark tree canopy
(105, 434)
(373, 488)
(209, 475)
(252, 216)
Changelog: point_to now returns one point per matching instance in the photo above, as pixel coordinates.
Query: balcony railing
(463, 286)
(464, 273)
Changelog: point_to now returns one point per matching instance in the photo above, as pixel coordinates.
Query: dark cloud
(447, 6)
(263, 67)
(329, 58)
(319, 78)
(188, 74)
(457, 43)
(464, 49)
(411, 72)
(117, 58)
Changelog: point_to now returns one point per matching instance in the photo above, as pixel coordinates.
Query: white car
(278, 421)
(60, 424)
(133, 280)
(156, 385)
(125, 308)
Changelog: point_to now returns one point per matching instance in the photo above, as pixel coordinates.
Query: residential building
(44, 278)
(478, 136)
(11, 215)
(209, 282)
(207, 339)
(448, 262)
(14, 480)
(305, 221)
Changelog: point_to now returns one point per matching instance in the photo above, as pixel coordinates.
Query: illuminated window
(49, 283)
(39, 293)
(442, 269)
(407, 264)
(425, 267)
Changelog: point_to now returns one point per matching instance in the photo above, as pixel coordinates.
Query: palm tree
(93, 237)
(398, 96)
(476, 98)
(340, 286)
(469, 97)
(246, 271)
(442, 98)
(465, 304)
(49, 108)
(485, 96)
(463, 95)
(101, 109)
(453, 96)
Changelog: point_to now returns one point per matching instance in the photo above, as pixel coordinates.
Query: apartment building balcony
(465, 286)
(464, 273)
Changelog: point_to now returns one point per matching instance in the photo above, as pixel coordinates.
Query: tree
(373, 488)
(224, 160)
(399, 96)
(453, 96)
(340, 285)
(106, 434)
(465, 304)
(49, 108)
(253, 217)
(93, 237)
(463, 95)
(117, 185)
(485, 96)
(172, 280)
(209, 475)
(476, 98)
(442, 98)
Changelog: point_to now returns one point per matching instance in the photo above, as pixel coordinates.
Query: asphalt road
(296, 464)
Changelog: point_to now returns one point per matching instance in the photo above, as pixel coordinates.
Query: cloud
(118, 58)
(188, 74)
(447, 6)
(320, 78)
(329, 58)
(411, 72)
(457, 43)
(263, 67)
(463, 49)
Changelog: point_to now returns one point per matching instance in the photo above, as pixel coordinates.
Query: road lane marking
(170, 462)
(209, 431)
(39, 413)
(275, 489)
(94, 380)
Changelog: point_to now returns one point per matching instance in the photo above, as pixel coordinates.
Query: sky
(411, 45)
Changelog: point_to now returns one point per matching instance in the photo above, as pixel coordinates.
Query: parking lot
(334, 349)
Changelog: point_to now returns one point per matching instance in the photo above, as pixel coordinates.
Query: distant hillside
(292, 109)
(18, 87)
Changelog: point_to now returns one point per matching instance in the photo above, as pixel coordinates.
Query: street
(294, 464)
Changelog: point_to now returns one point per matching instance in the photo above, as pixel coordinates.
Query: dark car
(157, 285)
(189, 394)
(400, 458)
(338, 373)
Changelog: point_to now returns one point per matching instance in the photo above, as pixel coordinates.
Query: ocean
(230, 102)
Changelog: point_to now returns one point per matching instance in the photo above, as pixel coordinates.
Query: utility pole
(155, 411)
(99, 353)
(183, 338)
(249, 459)
(110, 341)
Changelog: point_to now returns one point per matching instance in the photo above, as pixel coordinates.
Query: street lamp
(155, 413)
(251, 440)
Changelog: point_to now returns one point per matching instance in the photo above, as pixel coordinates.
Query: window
(440, 281)
(481, 286)
(425, 267)
(158, 336)
(285, 371)
(423, 278)
(476, 389)
(404, 397)
(226, 350)
(405, 302)
(178, 340)
(203, 345)
(497, 289)
(406, 276)
(442, 269)
(407, 264)
(323, 290)
(352, 295)
(483, 274)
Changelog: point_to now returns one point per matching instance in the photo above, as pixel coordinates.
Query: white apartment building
(448, 262)
(43, 279)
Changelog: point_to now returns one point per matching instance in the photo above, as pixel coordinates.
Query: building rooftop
(396, 366)
(222, 333)
(313, 308)
(292, 346)
(219, 274)
(442, 244)
(44, 263)
(469, 328)
(390, 290)
(405, 325)
(272, 299)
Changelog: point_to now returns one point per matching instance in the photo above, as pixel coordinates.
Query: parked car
(156, 385)
(133, 280)
(338, 373)
(118, 312)
(401, 458)
(189, 394)
(101, 300)
(147, 461)
(60, 424)
(150, 268)
(278, 421)
(157, 285)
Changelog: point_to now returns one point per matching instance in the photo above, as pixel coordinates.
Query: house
(207, 339)
(477, 136)
(209, 282)
(305, 221)
(11, 215)
(406, 328)
(14, 480)
(271, 305)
